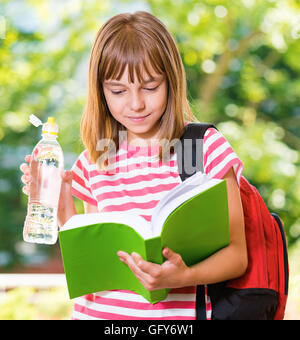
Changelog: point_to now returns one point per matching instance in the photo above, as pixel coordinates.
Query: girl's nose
(137, 102)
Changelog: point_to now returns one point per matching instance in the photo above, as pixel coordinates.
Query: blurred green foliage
(242, 64)
(26, 303)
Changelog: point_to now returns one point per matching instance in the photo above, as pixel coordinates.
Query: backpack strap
(190, 161)
(190, 156)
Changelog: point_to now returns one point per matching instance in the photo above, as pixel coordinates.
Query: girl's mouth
(138, 119)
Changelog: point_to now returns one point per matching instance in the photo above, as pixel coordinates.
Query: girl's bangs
(139, 59)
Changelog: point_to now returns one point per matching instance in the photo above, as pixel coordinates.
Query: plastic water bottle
(46, 164)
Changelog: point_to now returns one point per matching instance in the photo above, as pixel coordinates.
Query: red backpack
(261, 293)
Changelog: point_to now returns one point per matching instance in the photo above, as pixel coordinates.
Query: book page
(186, 186)
(190, 190)
(136, 222)
(197, 179)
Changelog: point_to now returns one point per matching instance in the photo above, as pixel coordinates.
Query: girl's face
(137, 106)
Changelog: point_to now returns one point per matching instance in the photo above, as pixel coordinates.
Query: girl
(137, 87)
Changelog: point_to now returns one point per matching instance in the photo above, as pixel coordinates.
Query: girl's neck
(143, 141)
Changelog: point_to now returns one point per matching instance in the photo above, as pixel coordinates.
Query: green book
(191, 219)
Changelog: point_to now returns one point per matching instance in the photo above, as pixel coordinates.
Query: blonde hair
(133, 40)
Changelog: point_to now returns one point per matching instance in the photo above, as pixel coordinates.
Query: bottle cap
(50, 127)
(35, 120)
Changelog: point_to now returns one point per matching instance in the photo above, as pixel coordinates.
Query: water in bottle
(46, 164)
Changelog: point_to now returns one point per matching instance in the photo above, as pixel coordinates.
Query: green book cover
(192, 220)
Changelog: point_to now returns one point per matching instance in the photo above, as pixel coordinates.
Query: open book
(191, 219)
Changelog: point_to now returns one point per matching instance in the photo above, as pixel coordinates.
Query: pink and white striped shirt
(136, 183)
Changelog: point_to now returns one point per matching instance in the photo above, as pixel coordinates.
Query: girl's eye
(146, 88)
(151, 89)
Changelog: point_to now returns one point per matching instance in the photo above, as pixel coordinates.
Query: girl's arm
(228, 263)
(67, 207)
(231, 261)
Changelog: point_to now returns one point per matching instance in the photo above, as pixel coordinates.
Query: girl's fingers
(142, 276)
(25, 168)
(23, 179)
(66, 175)
(25, 190)
(149, 268)
(27, 158)
(26, 179)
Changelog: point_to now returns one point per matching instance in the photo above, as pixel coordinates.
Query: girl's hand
(173, 273)
(26, 177)
(66, 208)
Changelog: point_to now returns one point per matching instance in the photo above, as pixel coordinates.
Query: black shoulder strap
(190, 160)
(190, 152)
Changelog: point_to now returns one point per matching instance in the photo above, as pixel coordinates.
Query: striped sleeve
(80, 183)
(219, 156)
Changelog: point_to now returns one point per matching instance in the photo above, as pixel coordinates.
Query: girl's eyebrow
(115, 83)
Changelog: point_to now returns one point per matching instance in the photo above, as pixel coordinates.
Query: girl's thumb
(171, 256)
(66, 175)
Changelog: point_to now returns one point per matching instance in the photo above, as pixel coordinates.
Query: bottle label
(41, 214)
(48, 159)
